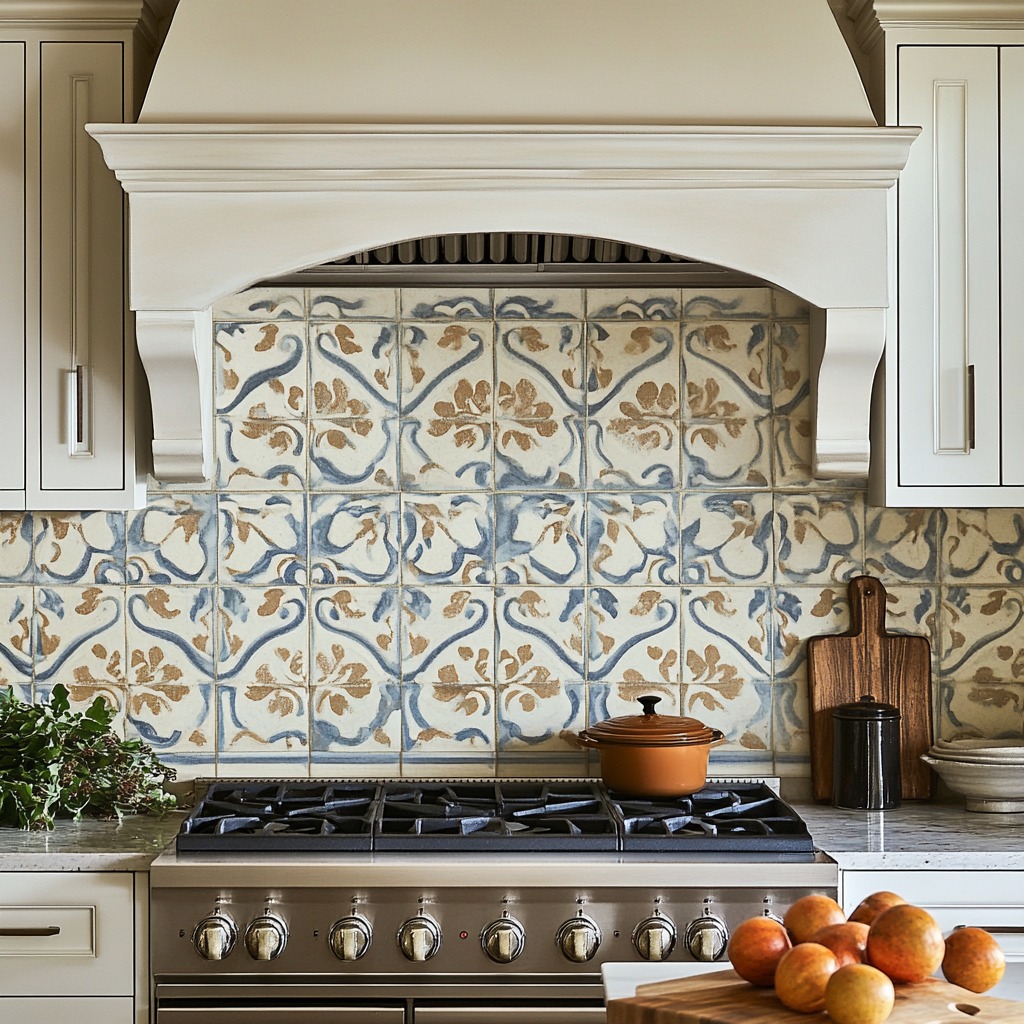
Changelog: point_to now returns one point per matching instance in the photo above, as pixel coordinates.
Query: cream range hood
(281, 134)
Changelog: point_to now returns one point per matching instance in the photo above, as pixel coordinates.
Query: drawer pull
(52, 929)
(995, 929)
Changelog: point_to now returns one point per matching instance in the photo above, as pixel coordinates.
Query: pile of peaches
(817, 960)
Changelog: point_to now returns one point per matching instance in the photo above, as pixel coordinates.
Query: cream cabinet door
(67, 1011)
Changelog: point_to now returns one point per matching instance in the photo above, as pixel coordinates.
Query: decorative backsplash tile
(450, 527)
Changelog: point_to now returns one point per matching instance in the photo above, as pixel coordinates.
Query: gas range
(402, 897)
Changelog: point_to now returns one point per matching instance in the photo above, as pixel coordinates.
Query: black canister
(866, 755)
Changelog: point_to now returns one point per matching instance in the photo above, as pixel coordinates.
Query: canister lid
(866, 708)
(651, 729)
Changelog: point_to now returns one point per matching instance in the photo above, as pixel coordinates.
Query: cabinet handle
(995, 929)
(79, 442)
(970, 406)
(21, 933)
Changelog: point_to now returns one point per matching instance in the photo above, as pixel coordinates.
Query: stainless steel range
(420, 902)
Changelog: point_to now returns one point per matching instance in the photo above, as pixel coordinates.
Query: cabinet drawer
(78, 928)
(58, 1011)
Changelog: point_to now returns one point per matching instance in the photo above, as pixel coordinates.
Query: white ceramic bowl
(982, 756)
(995, 750)
(985, 787)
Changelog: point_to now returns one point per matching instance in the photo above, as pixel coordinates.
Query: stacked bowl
(989, 773)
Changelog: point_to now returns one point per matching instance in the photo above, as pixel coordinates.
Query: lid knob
(648, 703)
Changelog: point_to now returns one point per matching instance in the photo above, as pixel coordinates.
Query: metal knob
(215, 936)
(350, 937)
(655, 938)
(419, 938)
(266, 937)
(578, 938)
(706, 937)
(503, 940)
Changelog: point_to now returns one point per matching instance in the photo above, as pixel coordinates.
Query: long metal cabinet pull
(971, 406)
(22, 933)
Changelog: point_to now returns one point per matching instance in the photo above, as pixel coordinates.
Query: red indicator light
(463, 935)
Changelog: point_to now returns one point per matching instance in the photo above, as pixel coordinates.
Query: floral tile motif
(634, 634)
(820, 537)
(170, 636)
(631, 366)
(727, 369)
(733, 452)
(173, 540)
(262, 636)
(446, 453)
(632, 304)
(791, 735)
(16, 636)
(262, 304)
(726, 302)
(174, 717)
(785, 304)
(357, 718)
(263, 538)
(353, 454)
(79, 638)
(449, 717)
(540, 635)
(257, 455)
(541, 715)
(800, 613)
(446, 304)
(635, 450)
(985, 710)
(740, 708)
(790, 368)
(792, 453)
(727, 538)
(447, 635)
(353, 304)
(611, 700)
(981, 636)
(81, 696)
(16, 565)
(538, 304)
(353, 368)
(901, 545)
(355, 637)
(443, 363)
(633, 538)
(353, 538)
(448, 538)
(80, 547)
(540, 369)
(538, 454)
(540, 538)
(261, 370)
(983, 546)
(727, 636)
(259, 716)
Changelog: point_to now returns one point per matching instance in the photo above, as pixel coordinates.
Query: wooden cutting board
(723, 998)
(893, 667)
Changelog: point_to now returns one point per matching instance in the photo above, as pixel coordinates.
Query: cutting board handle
(867, 606)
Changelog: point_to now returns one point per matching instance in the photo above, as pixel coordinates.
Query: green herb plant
(55, 762)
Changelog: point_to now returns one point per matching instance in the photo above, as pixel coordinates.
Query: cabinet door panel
(948, 265)
(1011, 59)
(12, 274)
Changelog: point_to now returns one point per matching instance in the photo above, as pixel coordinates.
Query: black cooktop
(736, 818)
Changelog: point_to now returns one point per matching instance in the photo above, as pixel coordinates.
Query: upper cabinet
(68, 411)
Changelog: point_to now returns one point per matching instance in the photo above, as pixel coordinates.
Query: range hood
(281, 134)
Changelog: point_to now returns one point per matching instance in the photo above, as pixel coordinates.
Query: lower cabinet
(75, 1009)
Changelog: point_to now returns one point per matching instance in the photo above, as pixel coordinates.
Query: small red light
(463, 935)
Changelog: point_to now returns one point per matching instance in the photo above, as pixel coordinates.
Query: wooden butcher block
(724, 998)
(894, 668)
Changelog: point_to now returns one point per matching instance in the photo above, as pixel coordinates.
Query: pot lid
(866, 708)
(651, 729)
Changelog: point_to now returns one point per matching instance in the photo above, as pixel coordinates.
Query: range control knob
(706, 937)
(578, 938)
(503, 940)
(655, 937)
(215, 936)
(266, 937)
(419, 938)
(350, 937)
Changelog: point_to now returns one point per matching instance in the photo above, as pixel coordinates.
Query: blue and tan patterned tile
(800, 613)
(439, 361)
(171, 633)
(981, 640)
(791, 737)
(278, 762)
(983, 546)
(718, 303)
(80, 547)
(739, 708)
(540, 538)
(262, 717)
(262, 538)
(790, 369)
(616, 699)
(450, 719)
(820, 537)
(16, 546)
(447, 635)
(541, 714)
(633, 451)
(353, 454)
(262, 635)
(261, 370)
(448, 538)
(531, 454)
(987, 710)
(446, 453)
(538, 304)
(359, 719)
(539, 369)
(632, 303)
(733, 452)
(521, 762)
(354, 538)
(446, 304)
(174, 718)
(728, 371)
(727, 538)
(16, 636)
(633, 539)
(902, 545)
(82, 695)
(353, 368)
(630, 366)
(356, 764)
(727, 635)
(786, 305)
(353, 304)
(792, 459)
(260, 304)
(540, 634)
(633, 635)
(173, 540)
(259, 455)
(355, 636)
